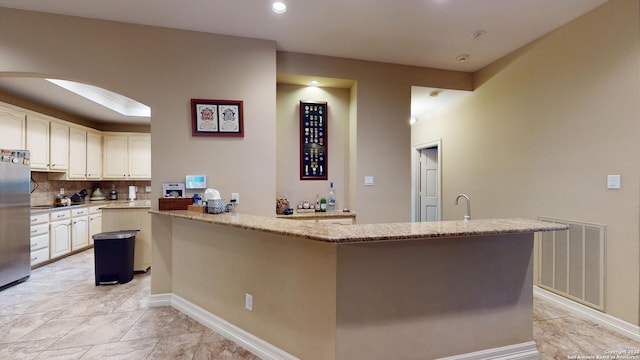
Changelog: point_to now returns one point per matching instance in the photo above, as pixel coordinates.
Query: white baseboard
(524, 351)
(613, 323)
(264, 350)
(248, 341)
(159, 300)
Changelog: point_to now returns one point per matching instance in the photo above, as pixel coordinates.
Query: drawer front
(79, 212)
(40, 242)
(39, 218)
(39, 256)
(94, 210)
(40, 229)
(60, 215)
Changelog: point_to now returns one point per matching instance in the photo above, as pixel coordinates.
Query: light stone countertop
(342, 234)
(135, 204)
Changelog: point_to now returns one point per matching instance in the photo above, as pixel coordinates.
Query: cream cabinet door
(95, 226)
(38, 142)
(59, 146)
(114, 164)
(60, 238)
(12, 129)
(139, 156)
(79, 232)
(94, 155)
(77, 154)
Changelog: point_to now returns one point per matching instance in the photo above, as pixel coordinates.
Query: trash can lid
(120, 234)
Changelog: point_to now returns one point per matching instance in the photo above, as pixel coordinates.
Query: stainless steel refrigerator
(15, 184)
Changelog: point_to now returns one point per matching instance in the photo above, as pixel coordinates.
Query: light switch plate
(368, 180)
(613, 181)
(248, 301)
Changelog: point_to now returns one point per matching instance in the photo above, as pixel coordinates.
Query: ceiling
(428, 33)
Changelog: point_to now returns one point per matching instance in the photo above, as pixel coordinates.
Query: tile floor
(60, 314)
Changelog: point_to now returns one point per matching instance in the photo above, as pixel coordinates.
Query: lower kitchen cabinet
(60, 238)
(39, 238)
(79, 228)
(95, 222)
(60, 231)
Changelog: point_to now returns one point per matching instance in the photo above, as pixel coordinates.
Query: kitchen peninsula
(288, 289)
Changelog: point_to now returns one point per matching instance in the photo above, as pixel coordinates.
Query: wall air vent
(572, 262)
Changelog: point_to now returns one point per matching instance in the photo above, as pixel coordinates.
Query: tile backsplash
(44, 190)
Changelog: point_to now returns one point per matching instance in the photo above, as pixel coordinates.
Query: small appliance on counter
(113, 194)
(78, 198)
(97, 195)
(61, 200)
(173, 190)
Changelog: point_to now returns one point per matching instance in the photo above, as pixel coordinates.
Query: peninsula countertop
(368, 232)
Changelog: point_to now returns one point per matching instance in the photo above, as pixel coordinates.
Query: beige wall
(543, 129)
(164, 69)
(380, 134)
(288, 143)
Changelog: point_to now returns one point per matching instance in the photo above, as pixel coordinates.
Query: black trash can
(113, 254)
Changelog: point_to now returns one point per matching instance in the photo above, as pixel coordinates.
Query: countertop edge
(358, 233)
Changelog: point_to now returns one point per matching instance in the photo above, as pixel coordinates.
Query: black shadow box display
(313, 140)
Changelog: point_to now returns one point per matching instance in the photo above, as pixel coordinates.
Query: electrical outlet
(147, 189)
(62, 191)
(248, 301)
(368, 180)
(236, 197)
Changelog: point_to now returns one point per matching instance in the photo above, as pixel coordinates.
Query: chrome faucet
(468, 216)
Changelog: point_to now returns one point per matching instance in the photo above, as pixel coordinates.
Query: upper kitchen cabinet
(94, 155)
(59, 146)
(126, 156)
(12, 128)
(77, 153)
(38, 142)
(85, 154)
(48, 141)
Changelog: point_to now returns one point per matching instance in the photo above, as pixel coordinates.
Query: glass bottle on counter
(331, 206)
(323, 204)
(317, 202)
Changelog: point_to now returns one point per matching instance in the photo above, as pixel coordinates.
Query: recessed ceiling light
(106, 98)
(477, 34)
(279, 7)
(314, 83)
(462, 58)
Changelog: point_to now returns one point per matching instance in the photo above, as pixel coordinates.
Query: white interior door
(429, 194)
